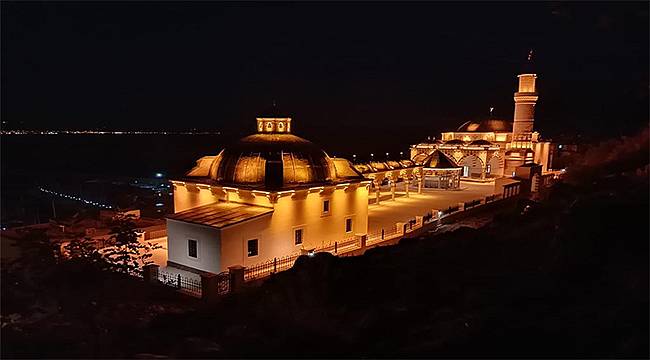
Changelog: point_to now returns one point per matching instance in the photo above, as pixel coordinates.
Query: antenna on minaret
(530, 55)
(273, 102)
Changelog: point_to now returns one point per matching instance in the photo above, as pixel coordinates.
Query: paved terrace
(388, 212)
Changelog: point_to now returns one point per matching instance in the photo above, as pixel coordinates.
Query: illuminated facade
(271, 194)
(493, 148)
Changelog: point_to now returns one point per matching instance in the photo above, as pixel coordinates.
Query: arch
(472, 166)
(495, 166)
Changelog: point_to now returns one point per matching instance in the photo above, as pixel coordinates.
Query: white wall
(275, 232)
(209, 245)
(302, 209)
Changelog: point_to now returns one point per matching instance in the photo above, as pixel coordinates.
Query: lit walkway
(388, 212)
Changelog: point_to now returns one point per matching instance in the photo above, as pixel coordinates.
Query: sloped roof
(221, 214)
(438, 160)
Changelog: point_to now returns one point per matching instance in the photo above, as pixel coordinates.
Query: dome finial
(491, 110)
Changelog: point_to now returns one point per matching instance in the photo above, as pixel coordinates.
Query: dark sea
(68, 163)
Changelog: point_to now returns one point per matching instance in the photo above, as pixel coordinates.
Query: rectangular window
(192, 248)
(326, 207)
(348, 225)
(252, 247)
(465, 171)
(489, 168)
(297, 236)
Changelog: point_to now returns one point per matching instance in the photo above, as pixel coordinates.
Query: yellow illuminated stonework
(273, 125)
(493, 148)
(262, 189)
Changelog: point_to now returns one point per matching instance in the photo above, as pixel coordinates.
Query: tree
(127, 254)
(85, 250)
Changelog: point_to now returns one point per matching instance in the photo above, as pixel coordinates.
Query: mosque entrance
(472, 166)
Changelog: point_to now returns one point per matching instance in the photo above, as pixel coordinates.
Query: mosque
(273, 193)
(493, 148)
(268, 195)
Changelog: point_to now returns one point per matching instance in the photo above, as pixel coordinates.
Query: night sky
(346, 72)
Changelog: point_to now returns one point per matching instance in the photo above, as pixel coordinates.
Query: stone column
(377, 192)
(420, 184)
(393, 185)
(407, 183)
(209, 286)
(236, 277)
(362, 239)
(150, 273)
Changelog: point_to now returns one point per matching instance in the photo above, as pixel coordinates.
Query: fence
(470, 204)
(450, 210)
(178, 281)
(280, 264)
(269, 267)
(382, 235)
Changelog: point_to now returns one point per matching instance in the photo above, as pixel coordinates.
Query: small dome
(438, 160)
(481, 142)
(394, 164)
(419, 158)
(488, 125)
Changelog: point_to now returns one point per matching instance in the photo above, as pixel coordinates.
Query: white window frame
(293, 235)
(329, 207)
(345, 224)
(258, 247)
(198, 249)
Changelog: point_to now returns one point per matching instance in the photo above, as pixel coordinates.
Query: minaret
(525, 100)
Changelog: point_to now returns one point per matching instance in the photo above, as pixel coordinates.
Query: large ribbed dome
(271, 160)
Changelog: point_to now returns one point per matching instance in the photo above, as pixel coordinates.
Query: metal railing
(270, 267)
(471, 204)
(178, 281)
